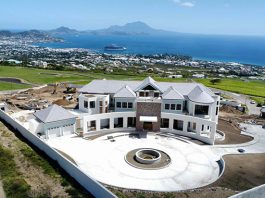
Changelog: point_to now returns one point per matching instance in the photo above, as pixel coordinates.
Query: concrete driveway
(244, 99)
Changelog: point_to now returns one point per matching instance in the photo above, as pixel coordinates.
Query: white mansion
(187, 109)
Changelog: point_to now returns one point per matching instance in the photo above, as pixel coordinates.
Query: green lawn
(253, 88)
(44, 76)
(12, 86)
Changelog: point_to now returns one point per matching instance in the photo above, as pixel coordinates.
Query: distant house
(198, 76)
(53, 121)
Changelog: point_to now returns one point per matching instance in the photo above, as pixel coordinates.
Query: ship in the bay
(114, 47)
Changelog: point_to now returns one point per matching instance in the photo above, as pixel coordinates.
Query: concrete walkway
(191, 166)
(257, 145)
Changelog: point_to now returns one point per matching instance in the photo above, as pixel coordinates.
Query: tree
(215, 81)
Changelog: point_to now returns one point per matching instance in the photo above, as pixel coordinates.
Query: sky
(232, 17)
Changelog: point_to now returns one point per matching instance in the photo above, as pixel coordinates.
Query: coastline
(199, 48)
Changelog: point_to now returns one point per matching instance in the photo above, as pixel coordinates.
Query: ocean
(241, 49)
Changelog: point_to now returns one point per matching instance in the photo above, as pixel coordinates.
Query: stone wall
(148, 109)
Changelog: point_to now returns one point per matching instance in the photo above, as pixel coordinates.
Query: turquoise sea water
(242, 49)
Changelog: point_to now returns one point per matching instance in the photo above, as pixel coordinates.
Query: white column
(97, 124)
(185, 125)
(212, 133)
(61, 131)
(125, 122)
(171, 123)
(111, 123)
(85, 124)
(199, 128)
(74, 127)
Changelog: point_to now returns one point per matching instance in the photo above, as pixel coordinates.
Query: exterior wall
(132, 100)
(212, 109)
(207, 136)
(111, 116)
(96, 99)
(35, 126)
(148, 109)
(181, 102)
(91, 185)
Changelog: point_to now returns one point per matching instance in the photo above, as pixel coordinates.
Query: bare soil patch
(232, 133)
(243, 172)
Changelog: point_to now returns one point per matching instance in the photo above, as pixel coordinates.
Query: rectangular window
(131, 121)
(118, 104)
(141, 93)
(167, 106)
(124, 105)
(201, 110)
(164, 123)
(156, 94)
(216, 113)
(92, 104)
(178, 106)
(85, 104)
(130, 105)
(178, 125)
(173, 107)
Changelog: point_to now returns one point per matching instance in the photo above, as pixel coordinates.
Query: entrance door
(148, 126)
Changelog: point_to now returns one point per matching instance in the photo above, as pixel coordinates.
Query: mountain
(63, 30)
(134, 28)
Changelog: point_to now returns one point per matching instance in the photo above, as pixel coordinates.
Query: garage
(69, 129)
(54, 132)
(56, 121)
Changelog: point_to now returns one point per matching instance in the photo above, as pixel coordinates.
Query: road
(244, 99)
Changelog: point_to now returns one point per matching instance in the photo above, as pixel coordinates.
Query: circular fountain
(148, 156)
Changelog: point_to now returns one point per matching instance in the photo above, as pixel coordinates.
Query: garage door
(54, 132)
(67, 130)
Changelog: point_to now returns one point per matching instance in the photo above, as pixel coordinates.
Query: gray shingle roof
(125, 92)
(172, 93)
(113, 86)
(148, 81)
(53, 113)
(200, 96)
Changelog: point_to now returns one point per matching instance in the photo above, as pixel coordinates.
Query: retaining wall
(91, 185)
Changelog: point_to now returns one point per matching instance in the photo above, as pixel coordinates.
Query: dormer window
(156, 94)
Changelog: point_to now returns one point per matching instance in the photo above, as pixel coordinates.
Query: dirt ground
(232, 133)
(41, 98)
(243, 172)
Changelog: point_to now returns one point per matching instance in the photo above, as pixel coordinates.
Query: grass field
(253, 88)
(12, 86)
(43, 76)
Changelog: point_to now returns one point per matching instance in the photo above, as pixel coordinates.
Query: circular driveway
(191, 165)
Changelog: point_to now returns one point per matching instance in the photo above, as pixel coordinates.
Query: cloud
(188, 4)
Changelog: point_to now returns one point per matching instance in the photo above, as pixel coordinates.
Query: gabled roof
(172, 93)
(125, 92)
(200, 96)
(148, 81)
(53, 113)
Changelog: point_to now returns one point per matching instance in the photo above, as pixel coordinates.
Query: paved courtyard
(191, 165)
